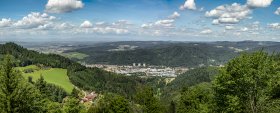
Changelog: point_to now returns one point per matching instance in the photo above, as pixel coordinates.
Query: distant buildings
(139, 65)
(89, 97)
(142, 68)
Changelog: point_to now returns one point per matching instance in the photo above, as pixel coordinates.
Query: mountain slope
(179, 54)
(86, 78)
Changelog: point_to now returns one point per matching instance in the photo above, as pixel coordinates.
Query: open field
(56, 76)
(76, 55)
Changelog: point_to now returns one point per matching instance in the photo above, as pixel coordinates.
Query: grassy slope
(76, 55)
(56, 76)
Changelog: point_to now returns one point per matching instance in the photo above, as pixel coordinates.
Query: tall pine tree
(16, 94)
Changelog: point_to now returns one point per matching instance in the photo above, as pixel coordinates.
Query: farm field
(76, 55)
(55, 76)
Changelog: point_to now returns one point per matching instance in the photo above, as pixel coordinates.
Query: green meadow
(76, 55)
(56, 76)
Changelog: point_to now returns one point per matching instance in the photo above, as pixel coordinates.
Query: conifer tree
(16, 94)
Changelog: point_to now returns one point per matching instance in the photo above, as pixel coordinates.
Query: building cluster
(89, 97)
(142, 68)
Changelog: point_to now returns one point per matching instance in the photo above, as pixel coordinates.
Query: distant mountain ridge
(189, 54)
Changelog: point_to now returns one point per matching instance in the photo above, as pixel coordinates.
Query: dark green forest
(187, 54)
(179, 54)
(249, 83)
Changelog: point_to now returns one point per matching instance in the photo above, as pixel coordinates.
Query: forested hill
(189, 54)
(82, 77)
(27, 57)
(180, 54)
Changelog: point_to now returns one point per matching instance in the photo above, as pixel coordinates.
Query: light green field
(76, 55)
(56, 76)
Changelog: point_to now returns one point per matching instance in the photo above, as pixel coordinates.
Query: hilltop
(187, 54)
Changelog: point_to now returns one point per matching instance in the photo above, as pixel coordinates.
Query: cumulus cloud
(34, 20)
(64, 26)
(244, 29)
(147, 25)
(160, 24)
(62, 6)
(259, 3)
(86, 24)
(109, 29)
(206, 31)
(42, 23)
(165, 23)
(189, 4)
(99, 23)
(229, 27)
(274, 25)
(229, 14)
(45, 27)
(277, 12)
(174, 15)
(5, 22)
(122, 24)
(118, 27)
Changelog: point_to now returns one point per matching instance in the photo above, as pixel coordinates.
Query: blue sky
(114, 20)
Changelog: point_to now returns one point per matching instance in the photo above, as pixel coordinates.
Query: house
(89, 97)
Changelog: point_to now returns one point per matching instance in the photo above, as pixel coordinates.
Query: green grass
(55, 76)
(76, 55)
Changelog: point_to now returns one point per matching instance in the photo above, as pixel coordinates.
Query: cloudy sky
(112, 20)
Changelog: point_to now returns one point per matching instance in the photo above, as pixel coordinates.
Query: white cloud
(110, 30)
(244, 29)
(86, 24)
(255, 25)
(229, 14)
(118, 27)
(165, 23)
(274, 25)
(160, 24)
(5, 22)
(34, 20)
(42, 23)
(229, 27)
(99, 23)
(228, 20)
(62, 6)
(121, 24)
(45, 27)
(206, 31)
(64, 26)
(174, 15)
(189, 4)
(215, 22)
(277, 12)
(259, 3)
(147, 25)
